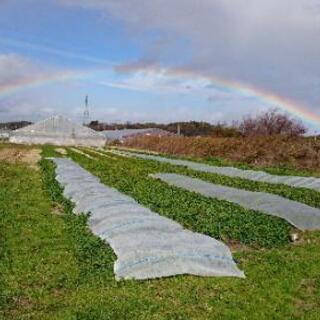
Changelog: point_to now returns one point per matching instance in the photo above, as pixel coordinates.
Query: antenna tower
(86, 114)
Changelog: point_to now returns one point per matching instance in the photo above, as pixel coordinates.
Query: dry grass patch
(21, 155)
(301, 153)
(57, 209)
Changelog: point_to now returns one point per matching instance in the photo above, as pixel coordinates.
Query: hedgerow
(219, 219)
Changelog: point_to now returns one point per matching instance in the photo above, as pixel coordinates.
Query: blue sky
(134, 54)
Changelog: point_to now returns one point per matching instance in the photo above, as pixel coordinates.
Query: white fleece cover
(147, 245)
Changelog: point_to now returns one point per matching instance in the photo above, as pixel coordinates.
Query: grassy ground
(52, 267)
(37, 268)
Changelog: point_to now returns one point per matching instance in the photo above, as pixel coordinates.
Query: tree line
(271, 122)
(14, 125)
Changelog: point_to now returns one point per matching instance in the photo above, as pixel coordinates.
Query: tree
(271, 122)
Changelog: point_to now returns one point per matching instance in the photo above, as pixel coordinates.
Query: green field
(52, 267)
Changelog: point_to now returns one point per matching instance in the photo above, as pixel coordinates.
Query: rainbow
(40, 80)
(294, 108)
(263, 95)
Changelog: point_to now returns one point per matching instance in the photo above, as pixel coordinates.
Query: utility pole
(178, 129)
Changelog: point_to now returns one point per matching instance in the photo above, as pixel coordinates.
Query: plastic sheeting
(261, 176)
(58, 130)
(147, 245)
(123, 134)
(300, 215)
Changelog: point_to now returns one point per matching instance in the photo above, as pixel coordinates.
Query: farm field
(299, 154)
(52, 267)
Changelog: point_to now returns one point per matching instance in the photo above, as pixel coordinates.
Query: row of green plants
(303, 195)
(295, 154)
(95, 290)
(219, 219)
(52, 267)
(92, 254)
(37, 270)
(282, 170)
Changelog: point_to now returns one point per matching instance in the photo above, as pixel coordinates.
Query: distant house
(60, 131)
(123, 134)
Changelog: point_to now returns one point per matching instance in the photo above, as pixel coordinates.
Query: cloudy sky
(159, 60)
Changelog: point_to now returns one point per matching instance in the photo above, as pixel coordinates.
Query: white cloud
(27, 108)
(268, 43)
(161, 81)
(14, 67)
(54, 51)
(16, 72)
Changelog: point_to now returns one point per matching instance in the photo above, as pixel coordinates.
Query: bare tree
(271, 122)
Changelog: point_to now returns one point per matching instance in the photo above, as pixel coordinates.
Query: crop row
(303, 195)
(94, 258)
(281, 170)
(300, 153)
(219, 219)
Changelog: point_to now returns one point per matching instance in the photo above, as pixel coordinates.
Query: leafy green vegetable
(219, 219)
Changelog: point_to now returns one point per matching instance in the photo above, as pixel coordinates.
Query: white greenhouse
(60, 131)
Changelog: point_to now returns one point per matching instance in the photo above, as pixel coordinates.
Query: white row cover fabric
(147, 245)
(300, 215)
(261, 176)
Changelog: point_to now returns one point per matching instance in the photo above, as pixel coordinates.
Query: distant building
(122, 135)
(60, 131)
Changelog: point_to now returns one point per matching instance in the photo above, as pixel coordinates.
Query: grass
(37, 268)
(52, 267)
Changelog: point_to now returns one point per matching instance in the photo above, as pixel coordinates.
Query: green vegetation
(37, 268)
(52, 267)
(293, 153)
(282, 170)
(219, 219)
(307, 196)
